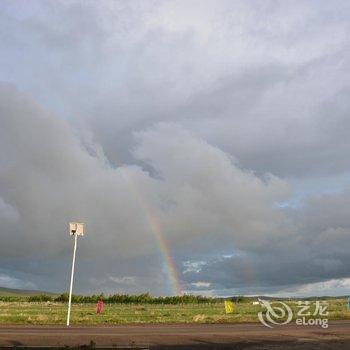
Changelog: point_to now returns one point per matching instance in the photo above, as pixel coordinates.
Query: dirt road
(188, 336)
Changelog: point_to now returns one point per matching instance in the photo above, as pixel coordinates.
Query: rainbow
(154, 224)
(165, 251)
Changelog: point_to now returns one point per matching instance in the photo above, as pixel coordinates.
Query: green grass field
(55, 313)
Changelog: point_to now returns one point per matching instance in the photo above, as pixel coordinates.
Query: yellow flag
(229, 306)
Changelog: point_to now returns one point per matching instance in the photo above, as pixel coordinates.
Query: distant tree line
(145, 298)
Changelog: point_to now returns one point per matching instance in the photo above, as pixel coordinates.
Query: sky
(204, 144)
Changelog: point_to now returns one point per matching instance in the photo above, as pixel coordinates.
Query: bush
(11, 298)
(40, 298)
(240, 299)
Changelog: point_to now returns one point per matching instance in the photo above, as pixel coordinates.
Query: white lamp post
(75, 229)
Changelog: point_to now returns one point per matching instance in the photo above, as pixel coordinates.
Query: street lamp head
(76, 229)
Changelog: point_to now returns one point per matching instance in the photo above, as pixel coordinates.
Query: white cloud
(128, 280)
(201, 284)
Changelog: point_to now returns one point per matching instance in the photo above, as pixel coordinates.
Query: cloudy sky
(205, 144)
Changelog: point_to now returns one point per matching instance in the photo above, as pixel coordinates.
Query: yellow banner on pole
(228, 306)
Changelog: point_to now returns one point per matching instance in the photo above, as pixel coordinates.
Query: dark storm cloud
(201, 102)
(312, 248)
(48, 178)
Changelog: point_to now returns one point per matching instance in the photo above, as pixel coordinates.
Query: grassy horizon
(45, 313)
